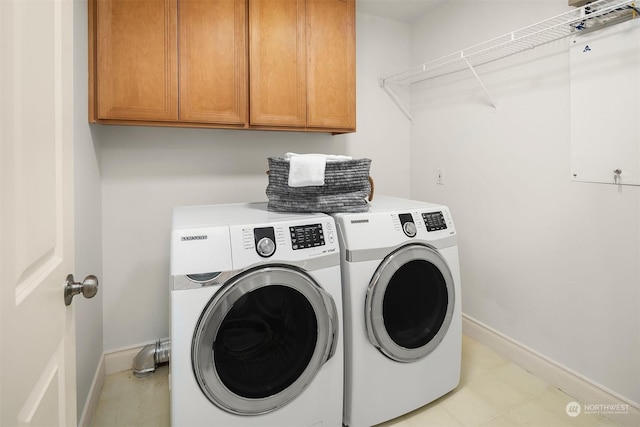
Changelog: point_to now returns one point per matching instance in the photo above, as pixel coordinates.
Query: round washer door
(409, 303)
(262, 338)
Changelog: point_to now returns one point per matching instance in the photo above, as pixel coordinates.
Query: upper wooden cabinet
(213, 70)
(331, 64)
(277, 54)
(302, 56)
(136, 61)
(260, 64)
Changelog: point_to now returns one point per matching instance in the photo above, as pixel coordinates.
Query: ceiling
(410, 11)
(398, 10)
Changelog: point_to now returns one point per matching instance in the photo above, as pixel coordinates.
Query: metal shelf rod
(484, 88)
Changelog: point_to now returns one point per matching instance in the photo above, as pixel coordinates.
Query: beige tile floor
(493, 392)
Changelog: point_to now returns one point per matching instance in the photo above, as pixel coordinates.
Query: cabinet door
(213, 65)
(331, 67)
(278, 66)
(136, 62)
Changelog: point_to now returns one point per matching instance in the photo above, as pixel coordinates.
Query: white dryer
(401, 293)
(256, 315)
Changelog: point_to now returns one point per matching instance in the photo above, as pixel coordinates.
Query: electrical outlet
(440, 176)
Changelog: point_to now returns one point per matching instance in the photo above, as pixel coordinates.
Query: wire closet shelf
(589, 16)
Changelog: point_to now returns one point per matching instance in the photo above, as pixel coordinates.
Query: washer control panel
(306, 236)
(434, 221)
(295, 240)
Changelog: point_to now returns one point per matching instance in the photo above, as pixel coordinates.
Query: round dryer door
(262, 338)
(409, 303)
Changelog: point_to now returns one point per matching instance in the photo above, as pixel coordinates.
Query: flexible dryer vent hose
(152, 355)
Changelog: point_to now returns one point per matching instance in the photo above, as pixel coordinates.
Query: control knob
(265, 247)
(409, 229)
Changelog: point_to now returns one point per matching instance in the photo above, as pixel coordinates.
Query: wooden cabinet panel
(278, 62)
(213, 75)
(331, 67)
(136, 61)
(261, 64)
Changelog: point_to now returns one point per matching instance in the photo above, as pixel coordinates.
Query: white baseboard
(111, 362)
(90, 406)
(121, 360)
(572, 383)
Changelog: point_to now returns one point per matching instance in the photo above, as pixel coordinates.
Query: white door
(37, 347)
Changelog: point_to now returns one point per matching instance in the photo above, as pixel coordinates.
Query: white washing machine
(401, 293)
(256, 315)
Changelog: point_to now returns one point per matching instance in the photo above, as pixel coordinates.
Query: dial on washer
(265, 239)
(408, 226)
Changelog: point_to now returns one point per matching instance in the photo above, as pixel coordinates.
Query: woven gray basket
(347, 186)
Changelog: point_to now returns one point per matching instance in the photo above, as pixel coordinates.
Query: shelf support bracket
(395, 99)
(484, 88)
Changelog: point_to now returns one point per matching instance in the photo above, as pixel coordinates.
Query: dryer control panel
(392, 221)
(426, 224)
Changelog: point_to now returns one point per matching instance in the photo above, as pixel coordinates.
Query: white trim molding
(110, 363)
(572, 383)
(91, 405)
(122, 359)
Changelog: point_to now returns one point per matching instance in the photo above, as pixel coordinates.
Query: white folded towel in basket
(308, 169)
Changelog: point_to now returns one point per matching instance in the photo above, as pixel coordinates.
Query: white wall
(148, 171)
(550, 263)
(88, 235)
